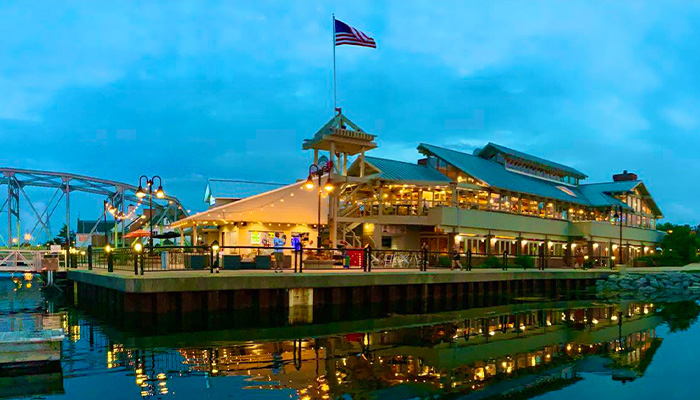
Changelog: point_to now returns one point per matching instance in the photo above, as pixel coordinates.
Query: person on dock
(278, 242)
(456, 263)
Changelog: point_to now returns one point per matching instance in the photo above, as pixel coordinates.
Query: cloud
(230, 89)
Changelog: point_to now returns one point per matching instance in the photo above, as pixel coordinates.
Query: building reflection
(495, 350)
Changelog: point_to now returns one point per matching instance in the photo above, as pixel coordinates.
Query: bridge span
(14, 182)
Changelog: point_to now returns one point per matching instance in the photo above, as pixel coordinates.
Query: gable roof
(393, 170)
(492, 148)
(86, 226)
(236, 189)
(599, 194)
(494, 174)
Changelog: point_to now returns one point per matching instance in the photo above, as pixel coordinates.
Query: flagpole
(334, 92)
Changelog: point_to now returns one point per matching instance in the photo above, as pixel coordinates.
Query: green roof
(494, 174)
(393, 170)
(492, 148)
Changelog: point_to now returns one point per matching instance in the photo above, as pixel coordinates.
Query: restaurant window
(495, 201)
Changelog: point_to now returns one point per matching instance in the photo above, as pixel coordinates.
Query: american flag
(345, 34)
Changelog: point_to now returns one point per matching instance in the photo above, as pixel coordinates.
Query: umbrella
(167, 235)
(137, 234)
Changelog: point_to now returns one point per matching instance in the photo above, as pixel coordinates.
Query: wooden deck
(30, 347)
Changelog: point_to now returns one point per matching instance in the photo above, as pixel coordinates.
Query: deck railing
(299, 259)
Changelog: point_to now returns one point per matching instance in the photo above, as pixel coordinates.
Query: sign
(55, 248)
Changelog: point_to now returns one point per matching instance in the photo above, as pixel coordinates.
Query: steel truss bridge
(13, 181)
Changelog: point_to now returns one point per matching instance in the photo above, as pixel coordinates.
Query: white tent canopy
(291, 204)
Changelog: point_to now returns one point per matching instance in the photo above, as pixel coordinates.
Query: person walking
(278, 242)
(456, 260)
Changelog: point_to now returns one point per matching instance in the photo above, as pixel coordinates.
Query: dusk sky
(192, 90)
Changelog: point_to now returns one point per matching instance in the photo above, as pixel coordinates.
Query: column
(362, 163)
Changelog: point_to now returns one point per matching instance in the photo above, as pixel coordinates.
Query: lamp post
(618, 217)
(141, 193)
(318, 170)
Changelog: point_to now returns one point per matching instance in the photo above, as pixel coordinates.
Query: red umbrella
(137, 234)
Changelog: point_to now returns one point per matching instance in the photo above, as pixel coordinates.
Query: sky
(197, 90)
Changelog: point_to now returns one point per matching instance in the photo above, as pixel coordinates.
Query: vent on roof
(625, 176)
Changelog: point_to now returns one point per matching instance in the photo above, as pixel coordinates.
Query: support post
(89, 256)
(110, 262)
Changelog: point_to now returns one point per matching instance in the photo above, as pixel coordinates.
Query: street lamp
(141, 193)
(618, 217)
(318, 170)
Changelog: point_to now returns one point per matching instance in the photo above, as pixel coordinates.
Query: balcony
(599, 229)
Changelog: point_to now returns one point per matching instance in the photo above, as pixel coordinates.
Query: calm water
(537, 349)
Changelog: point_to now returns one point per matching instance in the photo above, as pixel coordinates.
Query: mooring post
(136, 263)
(110, 262)
(294, 260)
(369, 258)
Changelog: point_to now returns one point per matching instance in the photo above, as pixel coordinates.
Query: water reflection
(507, 351)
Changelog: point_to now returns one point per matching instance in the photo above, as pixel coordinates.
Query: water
(537, 349)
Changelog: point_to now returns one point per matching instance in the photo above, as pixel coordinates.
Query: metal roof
(494, 174)
(492, 148)
(236, 189)
(393, 170)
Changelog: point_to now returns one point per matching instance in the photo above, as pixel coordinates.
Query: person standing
(278, 242)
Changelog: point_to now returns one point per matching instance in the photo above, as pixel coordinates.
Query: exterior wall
(449, 217)
(500, 223)
(602, 230)
(240, 235)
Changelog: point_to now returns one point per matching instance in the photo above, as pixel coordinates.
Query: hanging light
(329, 186)
(140, 193)
(160, 193)
(309, 183)
(138, 247)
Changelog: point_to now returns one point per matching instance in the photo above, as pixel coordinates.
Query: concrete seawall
(301, 297)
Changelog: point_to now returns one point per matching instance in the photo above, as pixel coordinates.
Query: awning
(291, 204)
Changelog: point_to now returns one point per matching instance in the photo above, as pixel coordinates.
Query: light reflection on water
(517, 352)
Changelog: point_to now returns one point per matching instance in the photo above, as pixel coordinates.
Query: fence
(217, 258)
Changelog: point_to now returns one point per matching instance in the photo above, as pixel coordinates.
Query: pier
(186, 292)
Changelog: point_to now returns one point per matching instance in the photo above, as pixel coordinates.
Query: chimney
(625, 176)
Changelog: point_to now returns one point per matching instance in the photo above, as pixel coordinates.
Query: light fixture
(329, 186)
(160, 193)
(309, 183)
(138, 247)
(108, 248)
(215, 246)
(140, 193)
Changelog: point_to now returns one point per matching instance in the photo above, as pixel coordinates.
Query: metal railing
(214, 259)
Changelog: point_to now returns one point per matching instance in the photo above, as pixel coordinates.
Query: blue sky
(191, 90)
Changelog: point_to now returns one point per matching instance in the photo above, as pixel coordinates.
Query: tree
(680, 243)
(61, 238)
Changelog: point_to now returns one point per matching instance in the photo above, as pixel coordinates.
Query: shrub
(444, 262)
(524, 262)
(491, 262)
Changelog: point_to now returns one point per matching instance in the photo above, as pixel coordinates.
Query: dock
(187, 292)
(25, 348)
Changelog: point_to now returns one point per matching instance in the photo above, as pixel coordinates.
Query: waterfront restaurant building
(492, 200)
